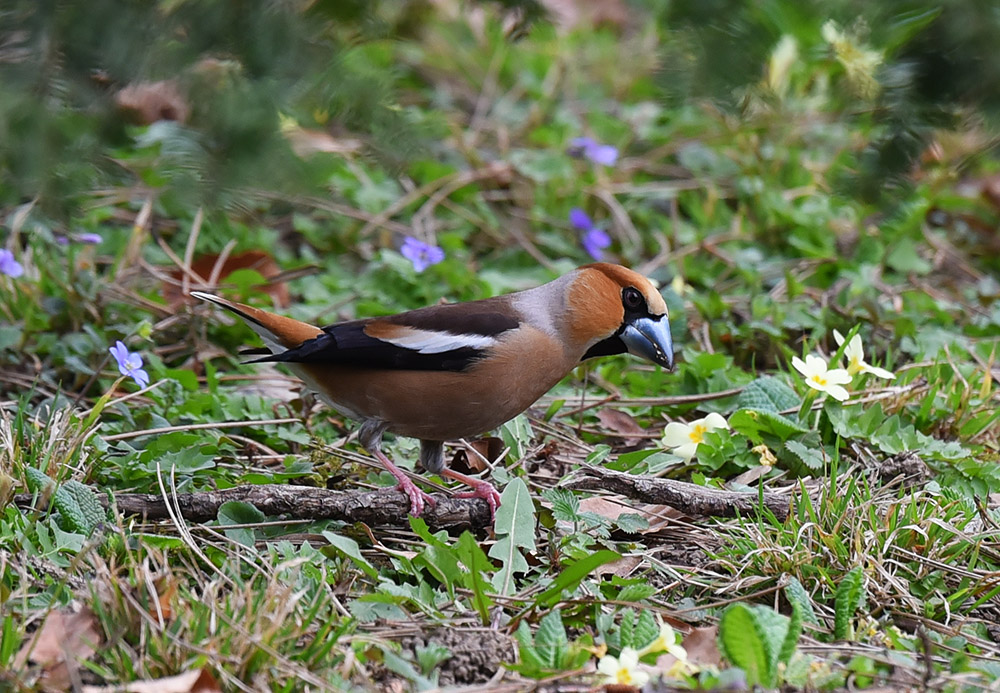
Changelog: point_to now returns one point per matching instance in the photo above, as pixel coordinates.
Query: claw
(486, 491)
(417, 497)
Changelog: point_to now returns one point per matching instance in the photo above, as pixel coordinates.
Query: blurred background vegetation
(783, 169)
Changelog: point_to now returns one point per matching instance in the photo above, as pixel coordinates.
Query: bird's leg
(370, 437)
(432, 459)
(480, 489)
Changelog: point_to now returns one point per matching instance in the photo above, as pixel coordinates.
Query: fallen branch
(379, 508)
(686, 497)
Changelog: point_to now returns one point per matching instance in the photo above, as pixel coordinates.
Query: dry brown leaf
(194, 681)
(65, 638)
(148, 102)
(621, 424)
(305, 142)
(702, 646)
(623, 567)
(489, 447)
(205, 265)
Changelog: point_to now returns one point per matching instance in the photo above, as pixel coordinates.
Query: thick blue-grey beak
(650, 339)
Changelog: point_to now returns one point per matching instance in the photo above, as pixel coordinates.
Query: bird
(455, 370)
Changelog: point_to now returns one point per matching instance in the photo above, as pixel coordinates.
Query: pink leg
(416, 496)
(480, 489)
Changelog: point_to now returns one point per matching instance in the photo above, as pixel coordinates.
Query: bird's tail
(278, 332)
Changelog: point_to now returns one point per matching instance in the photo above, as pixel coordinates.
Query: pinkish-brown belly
(434, 405)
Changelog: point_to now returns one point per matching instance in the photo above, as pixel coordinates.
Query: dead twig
(686, 497)
(385, 507)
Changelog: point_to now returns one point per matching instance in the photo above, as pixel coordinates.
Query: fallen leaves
(65, 638)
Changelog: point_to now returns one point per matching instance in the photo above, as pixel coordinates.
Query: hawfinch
(456, 370)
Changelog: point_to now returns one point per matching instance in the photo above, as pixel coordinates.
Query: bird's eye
(632, 299)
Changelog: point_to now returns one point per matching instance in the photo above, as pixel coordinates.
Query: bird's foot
(486, 491)
(418, 498)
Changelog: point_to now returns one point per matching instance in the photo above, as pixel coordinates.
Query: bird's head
(614, 310)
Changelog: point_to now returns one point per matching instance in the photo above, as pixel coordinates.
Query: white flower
(684, 438)
(819, 376)
(623, 669)
(666, 641)
(855, 355)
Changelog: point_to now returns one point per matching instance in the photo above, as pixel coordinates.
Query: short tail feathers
(278, 332)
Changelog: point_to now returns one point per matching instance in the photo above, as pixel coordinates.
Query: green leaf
(646, 629)
(550, 639)
(849, 598)
(792, 634)
(531, 661)
(78, 506)
(565, 504)
(811, 457)
(516, 435)
(570, 578)
(476, 562)
(240, 513)
(37, 480)
(515, 527)
(631, 523)
(751, 637)
(768, 394)
(799, 598)
(754, 423)
(348, 547)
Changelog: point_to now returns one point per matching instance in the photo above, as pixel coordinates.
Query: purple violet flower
(89, 238)
(129, 364)
(604, 154)
(594, 239)
(421, 254)
(8, 265)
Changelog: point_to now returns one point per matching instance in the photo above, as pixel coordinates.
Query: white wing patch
(431, 342)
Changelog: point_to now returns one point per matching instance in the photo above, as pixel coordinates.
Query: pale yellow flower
(855, 354)
(860, 62)
(783, 57)
(666, 641)
(623, 669)
(819, 376)
(685, 437)
(767, 457)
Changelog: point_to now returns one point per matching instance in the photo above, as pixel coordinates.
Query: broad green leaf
(753, 423)
(849, 598)
(742, 643)
(531, 661)
(517, 435)
(768, 394)
(550, 639)
(811, 457)
(437, 557)
(646, 629)
(348, 547)
(476, 562)
(240, 513)
(78, 507)
(754, 635)
(515, 529)
(798, 597)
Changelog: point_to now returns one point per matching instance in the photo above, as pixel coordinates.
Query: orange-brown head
(616, 310)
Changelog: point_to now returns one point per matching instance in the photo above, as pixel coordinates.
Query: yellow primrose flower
(855, 355)
(666, 641)
(623, 669)
(819, 376)
(685, 437)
